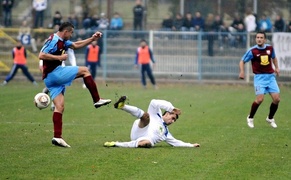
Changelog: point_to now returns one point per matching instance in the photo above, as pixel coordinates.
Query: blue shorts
(57, 80)
(265, 83)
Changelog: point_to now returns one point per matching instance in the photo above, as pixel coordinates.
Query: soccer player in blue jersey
(56, 77)
(263, 58)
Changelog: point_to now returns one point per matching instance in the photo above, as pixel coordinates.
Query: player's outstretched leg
(135, 111)
(92, 87)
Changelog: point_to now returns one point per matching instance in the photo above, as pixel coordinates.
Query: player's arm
(85, 42)
(241, 69)
(156, 106)
(151, 55)
(275, 62)
(246, 58)
(178, 143)
(52, 57)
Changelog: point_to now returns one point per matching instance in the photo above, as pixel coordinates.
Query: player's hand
(63, 57)
(196, 145)
(154, 66)
(241, 75)
(177, 111)
(277, 71)
(97, 35)
(40, 68)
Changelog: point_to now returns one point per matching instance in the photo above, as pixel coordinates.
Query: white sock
(131, 144)
(133, 111)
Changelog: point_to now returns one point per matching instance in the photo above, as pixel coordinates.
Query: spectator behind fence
(236, 21)
(198, 22)
(221, 29)
(210, 35)
(188, 22)
(57, 19)
(167, 23)
(7, 12)
(289, 26)
(178, 22)
(279, 25)
(116, 22)
(138, 11)
(74, 20)
(87, 22)
(265, 24)
(94, 22)
(103, 22)
(25, 37)
(250, 21)
(39, 7)
(238, 38)
(19, 56)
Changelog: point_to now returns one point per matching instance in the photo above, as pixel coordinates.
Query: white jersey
(157, 130)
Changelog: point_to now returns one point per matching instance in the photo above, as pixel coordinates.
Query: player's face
(143, 44)
(260, 39)
(170, 118)
(68, 34)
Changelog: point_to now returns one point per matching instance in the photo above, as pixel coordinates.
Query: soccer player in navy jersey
(56, 77)
(263, 58)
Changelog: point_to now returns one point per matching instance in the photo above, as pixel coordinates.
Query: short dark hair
(66, 26)
(262, 32)
(143, 40)
(177, 116)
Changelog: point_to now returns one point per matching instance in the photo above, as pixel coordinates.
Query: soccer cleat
(4, 83)
(120, 103)
(102, 102)
(53, 107)
(271, 122)
(250, 122)
(60, 142)
(109, 144)
(34, 83)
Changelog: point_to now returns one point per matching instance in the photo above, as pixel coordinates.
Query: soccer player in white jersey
(151, 127)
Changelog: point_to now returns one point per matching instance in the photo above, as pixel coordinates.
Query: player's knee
(84, 70)
(276, 100)
(259, 100)
(59, 108)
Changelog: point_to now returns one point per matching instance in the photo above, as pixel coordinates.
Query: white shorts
(137, 132)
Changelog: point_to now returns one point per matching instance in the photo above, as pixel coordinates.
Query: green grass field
(213, 115)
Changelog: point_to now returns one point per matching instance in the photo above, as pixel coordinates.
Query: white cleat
(60, 142)
(250, 122)
(102, 102)
(271, 122)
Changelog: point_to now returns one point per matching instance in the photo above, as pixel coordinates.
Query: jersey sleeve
(48, 46)
(273, 55)
(177, 143)
(156, 106)
(248, 56)
(68, 44)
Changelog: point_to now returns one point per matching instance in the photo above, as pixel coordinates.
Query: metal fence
(191, 56)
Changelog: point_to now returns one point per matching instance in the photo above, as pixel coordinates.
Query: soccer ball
(42, 100)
